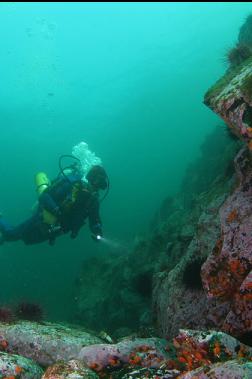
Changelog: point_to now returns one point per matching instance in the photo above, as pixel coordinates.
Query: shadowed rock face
(227, 273)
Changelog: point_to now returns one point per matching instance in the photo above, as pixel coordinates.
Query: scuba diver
(63, 207)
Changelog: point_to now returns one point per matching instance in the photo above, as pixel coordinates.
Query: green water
(129, 80)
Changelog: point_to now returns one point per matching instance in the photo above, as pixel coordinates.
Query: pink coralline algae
(227, 273)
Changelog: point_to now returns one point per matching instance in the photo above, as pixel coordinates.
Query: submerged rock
(227, 370)
(196, 349)
(141, 352)
(15, 366)
(45, 343)
(211, 344)
(144, 373)
(71, 370)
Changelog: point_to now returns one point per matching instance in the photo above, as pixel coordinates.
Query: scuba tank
(42, 183)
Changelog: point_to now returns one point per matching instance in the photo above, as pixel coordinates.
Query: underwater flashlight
(96, 237)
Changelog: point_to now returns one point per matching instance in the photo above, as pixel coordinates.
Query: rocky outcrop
(45, 343)
(183, 233)
(231, 99)
(227, 273)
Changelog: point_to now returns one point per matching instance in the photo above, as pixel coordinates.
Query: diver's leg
(8, 232)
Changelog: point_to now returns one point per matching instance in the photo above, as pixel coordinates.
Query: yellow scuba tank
(42, 183)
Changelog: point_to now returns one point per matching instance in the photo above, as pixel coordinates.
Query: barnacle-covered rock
(71, 370)
(15, 366)
(45, 343)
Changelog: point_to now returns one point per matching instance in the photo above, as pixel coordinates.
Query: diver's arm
(95, 224)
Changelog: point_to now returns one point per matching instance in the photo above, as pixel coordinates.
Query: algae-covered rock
(45, 343)
(15, 366)
(71, 370)
(226, 370)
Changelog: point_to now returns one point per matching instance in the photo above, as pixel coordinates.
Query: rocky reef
(133, 289)
(179, 305)
(54, 351)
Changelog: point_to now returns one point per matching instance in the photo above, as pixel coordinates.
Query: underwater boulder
(15, 366)
(139, 352)
(227, 273)
(71, 370)
(226, 370)
(45, 343)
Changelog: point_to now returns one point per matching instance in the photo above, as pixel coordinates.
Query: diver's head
(98, 178)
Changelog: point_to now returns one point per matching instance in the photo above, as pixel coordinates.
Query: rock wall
(135, 290)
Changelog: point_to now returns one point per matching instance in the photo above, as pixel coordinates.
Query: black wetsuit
(70, 215)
